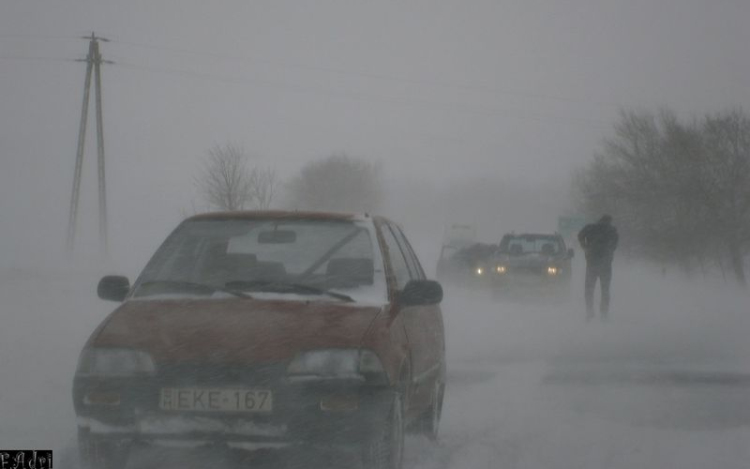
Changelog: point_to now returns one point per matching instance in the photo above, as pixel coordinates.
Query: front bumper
(535, 284)
(303, 414)
(527, 280)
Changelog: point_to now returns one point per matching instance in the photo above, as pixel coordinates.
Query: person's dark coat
(599, 240)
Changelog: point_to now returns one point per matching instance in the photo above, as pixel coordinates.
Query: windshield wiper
(197, 286)
(321, 291)
(285, 287)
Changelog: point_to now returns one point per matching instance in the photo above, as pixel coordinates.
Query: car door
(424, 329)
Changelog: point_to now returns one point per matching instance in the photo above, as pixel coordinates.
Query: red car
(267, 329)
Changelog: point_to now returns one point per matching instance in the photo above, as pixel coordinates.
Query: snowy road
(660, 386)
(530, 386)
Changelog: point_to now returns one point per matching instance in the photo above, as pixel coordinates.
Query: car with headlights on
(266, 330)
(534, 264)
(468, 266)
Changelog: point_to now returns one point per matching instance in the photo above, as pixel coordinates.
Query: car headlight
(551, 270)
(113, 362)
(500, 269)
(362, 365)
(479, 271)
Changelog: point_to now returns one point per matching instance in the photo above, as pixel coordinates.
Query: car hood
(232, 330)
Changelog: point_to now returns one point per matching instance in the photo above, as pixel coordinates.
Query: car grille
(527, 270)
(220, 374)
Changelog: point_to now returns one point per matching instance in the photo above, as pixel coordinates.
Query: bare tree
(338, 183)
(227, 182)
(725, 180)
(681, 191)
(264, 184)
(224, 180)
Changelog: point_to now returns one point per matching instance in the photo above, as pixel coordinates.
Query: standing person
(599, 241)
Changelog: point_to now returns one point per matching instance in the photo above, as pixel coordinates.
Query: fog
(477, 113)
(523, 378)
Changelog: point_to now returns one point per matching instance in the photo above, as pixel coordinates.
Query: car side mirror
(421, 292)
(113, 288)
(571, 253)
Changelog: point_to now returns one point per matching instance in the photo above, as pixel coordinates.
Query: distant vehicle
(470, 265)
(456, 261)
(267, 330)
(459, 235)
(456, 237)
(531, 263)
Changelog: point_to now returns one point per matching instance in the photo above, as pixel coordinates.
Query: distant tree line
(679, 190)
(338, 183)
(228, 180)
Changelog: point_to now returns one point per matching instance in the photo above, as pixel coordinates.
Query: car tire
(98, 453)
(386, 449)
(429, 423)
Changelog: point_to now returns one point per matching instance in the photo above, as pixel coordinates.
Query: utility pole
(93, 64)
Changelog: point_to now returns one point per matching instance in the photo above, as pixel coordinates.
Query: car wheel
(386, 449)
(429, 423)
(97, 453)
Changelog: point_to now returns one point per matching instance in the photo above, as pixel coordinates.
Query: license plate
(215, 400)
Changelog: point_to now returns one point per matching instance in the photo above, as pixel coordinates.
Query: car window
(245, 254)
(398, 261)
(411, 259)
(531, 244)
(312, 241)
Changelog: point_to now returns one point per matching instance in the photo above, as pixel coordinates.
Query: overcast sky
(519, 90)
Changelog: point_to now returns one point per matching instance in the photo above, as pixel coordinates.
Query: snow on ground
(46, 319)
(502, 409)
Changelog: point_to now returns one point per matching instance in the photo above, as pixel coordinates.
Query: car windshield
(521, 245)
(266, 258)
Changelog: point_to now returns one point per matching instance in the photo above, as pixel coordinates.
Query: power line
(371, 75)
(371, 97)
(32, 58)
(39, 36)
(405, 101)
(343, 72)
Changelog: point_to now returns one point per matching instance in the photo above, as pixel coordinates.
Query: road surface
(663, 384)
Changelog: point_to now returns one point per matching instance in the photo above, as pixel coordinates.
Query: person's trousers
(601, 271)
